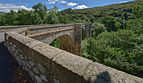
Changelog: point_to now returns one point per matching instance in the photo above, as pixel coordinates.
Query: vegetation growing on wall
(27, 32)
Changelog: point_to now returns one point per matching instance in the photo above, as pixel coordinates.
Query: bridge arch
(66, 42)
(70, 37)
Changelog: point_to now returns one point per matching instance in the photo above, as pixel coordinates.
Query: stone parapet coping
(63, 66)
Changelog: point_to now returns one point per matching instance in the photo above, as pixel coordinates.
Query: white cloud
(81, 7)
(8, 7)
(72, 4)
(52, 1)
(123, 1)
(63, 1)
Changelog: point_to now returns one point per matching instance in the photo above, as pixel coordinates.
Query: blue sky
(7, 5)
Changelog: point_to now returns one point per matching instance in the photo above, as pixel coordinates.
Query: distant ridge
(115, 10)
(2, 13)
(112, 5)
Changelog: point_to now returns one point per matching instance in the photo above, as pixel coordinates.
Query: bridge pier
(88, 30)
(77, 34)
(72, 45)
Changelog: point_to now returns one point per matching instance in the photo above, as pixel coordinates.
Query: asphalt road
(6, 60)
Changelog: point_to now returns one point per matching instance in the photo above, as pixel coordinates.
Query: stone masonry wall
(46, 64)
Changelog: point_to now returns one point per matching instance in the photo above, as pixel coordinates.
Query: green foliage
(2, 20)
(38, 7)
(28, 17)
(113, 23)
(40, 15)
(123, 11)
(11, 18)
(2, 13)
(56, 43)
(121, 50)
(52, 18)
(138, 10)
(27, 32)
(136, 25)
(62, 19)
(97, 28)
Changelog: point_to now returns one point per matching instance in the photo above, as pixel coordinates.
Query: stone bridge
(70, 36)
(47, 64)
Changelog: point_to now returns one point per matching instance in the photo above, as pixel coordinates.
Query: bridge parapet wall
(48, 64)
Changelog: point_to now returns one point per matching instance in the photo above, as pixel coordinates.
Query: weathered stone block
(21, 56)
(38, 79)
(69, 68)
(35, 69)
(31, 63)
(23, 62)
(16, 53)
(21, 38)
(17, 58)
(43, 54)
(98, 73)
(56, 81)
(31, 73)
(43, 77)
(41, 68)
(28, 64)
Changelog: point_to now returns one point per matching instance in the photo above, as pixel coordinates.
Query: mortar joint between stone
(85, 71)
(57, 55)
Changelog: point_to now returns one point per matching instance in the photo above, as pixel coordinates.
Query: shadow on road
(6, 65)
(10, 71)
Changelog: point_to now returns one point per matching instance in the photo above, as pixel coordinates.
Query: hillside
(2, 13)
(116, 10)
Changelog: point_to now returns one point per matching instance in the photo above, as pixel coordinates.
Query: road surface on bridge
(9, 68)
(6, 67)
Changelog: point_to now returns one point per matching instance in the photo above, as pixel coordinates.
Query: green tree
(62, 19)
(45, 9)
(35, 18)
(24, 17)
(2, 20)
(37, 7)
(136, 25)
(138, 10)
(110, 22)
(52, 18)
(11, 18)
(121, 50)
(41, 10)
(97, 28)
